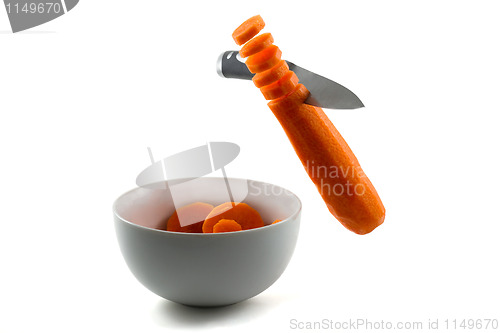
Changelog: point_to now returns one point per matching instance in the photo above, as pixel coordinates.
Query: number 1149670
(34, 8)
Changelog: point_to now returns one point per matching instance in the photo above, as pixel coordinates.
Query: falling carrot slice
(271, 75)
(264, 59)
(256, 45)
(227, 226)
(246, 216)
(248, 29)
(191, 218)
(281, 87)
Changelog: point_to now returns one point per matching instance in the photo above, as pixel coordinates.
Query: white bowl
(207, 269)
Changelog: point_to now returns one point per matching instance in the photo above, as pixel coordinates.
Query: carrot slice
(248, 29)
(189, 218)
(264, 59)
(276, 221)
(281, 87)
(227, 226)
(271, 75)
(256, 45)
(246, 216)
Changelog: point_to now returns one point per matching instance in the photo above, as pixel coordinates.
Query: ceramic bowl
(206, 269)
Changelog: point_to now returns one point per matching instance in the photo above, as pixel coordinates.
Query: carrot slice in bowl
(248, 29)
(189, 218)
(281, 87)
(264, 59)
(225, 225)
(246, 216)
(256, 45)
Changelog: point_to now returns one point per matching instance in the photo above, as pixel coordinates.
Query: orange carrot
(256, 45)
(226, 226)
(264, 59)
(273, 74)
(248, 29)
(281, 87)
(191, 217)
(276, 221)
(328, 160)
(246, 216)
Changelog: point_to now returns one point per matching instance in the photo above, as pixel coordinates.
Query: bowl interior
(149, 207)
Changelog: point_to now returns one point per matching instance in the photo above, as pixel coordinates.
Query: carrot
(281, 87)
(326, 157)
(264, 59)
(269, 76)
(246, 216)
(276, 221)
(256, 45)
(248, 29)
(226, 226)
(331, 165)
(189, 218)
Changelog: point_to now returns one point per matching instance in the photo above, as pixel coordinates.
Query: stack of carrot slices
(200, 217)
(272, 75)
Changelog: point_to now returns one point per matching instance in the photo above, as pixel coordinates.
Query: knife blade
(324, 92)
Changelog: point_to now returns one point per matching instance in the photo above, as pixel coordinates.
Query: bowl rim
(219, 234)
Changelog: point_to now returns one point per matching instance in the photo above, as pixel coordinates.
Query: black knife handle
(231, 66)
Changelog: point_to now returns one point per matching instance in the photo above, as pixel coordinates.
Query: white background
(83, 96)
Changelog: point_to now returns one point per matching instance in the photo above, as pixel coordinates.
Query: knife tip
(356, 103)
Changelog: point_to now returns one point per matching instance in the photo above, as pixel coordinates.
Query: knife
(324, 92)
